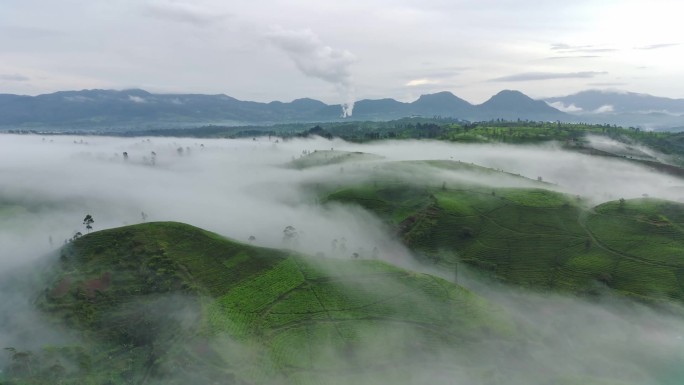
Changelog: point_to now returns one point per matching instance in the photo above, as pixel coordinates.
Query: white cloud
(604, 109)
(152, 44)
(533, 76)
(420, 82)
(185, 12)
(78, 99)
(562, 107)
(137, 99)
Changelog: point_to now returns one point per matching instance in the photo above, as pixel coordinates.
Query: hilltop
(168, 301)
(534, 237)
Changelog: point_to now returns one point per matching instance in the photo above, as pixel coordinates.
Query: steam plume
(315, 59)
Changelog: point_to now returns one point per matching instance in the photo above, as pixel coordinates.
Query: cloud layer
(535, 76)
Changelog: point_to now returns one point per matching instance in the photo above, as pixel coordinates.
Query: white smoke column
(315, 59)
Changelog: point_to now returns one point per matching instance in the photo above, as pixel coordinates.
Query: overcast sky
(267, 50)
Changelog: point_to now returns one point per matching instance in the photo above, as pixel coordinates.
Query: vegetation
(88, 222)
(328, 157)
(536, 237)
(170, 303)
(165, 301)
(571, 135)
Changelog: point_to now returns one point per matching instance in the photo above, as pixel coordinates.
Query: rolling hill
(551, 283)
(171, 303)
(168, 303)
(535, 237)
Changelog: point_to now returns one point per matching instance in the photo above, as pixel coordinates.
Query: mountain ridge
(136, 108)
(99, 109)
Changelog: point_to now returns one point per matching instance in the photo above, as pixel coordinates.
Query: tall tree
(88, 222)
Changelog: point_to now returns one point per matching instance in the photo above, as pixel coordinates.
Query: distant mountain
(442, 104)
(623, 108)
(620, 102)
(380, 109)
(510, 104)
(138, 109)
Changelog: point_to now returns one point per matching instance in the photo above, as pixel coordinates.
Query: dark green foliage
(171, 303)
(538, 238)
(88, 222)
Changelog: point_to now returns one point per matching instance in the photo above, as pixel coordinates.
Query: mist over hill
(322, 261)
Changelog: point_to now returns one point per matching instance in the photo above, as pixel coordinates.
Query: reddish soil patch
(62, 287)
(98, 284)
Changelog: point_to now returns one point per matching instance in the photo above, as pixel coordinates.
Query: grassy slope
(252, 314)
(329, 157)
(538, 238)
(648, 236)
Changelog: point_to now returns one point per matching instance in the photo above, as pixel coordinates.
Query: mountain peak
(510, 95)
(440, 97)
(441, 103)
(308, 103)
(512, 102)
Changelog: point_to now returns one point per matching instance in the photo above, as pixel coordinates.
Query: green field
(167, 300)
(168, 303)
(329, 157)
(536, 237)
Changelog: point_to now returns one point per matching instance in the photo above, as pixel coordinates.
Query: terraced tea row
(537, 237)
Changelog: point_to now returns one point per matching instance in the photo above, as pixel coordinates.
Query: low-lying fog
(242, 188)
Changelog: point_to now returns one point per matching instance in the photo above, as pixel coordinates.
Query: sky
(342, 51)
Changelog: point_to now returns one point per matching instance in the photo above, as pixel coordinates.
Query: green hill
(168, 303)
(536, 237)
(319, 158)
(171, 303)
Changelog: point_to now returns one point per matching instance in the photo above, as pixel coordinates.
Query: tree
(21, 362)
(289, 234)
(88, 222)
